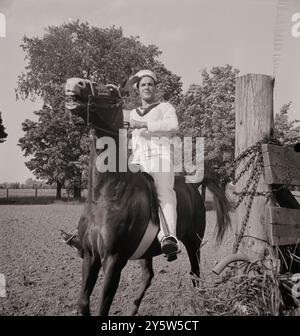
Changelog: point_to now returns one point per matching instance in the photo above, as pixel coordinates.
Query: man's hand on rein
(138, 124)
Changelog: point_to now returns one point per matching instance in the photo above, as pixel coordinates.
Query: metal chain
(251, 150)
(244, 154)
(249, 182)
(254, 179)
(246, 167)
(255, 160)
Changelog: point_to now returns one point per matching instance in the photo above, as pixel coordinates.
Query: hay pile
(245, 290)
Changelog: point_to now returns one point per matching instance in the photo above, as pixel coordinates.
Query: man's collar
(141, 112)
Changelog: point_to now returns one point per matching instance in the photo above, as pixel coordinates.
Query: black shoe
(170, 247)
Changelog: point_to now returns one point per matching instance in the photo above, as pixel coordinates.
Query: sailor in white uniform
(153, 124)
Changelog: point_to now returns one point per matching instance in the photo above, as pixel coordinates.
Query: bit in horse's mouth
(72, 102)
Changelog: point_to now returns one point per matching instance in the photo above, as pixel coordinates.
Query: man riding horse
(151, 121)
(125, 210)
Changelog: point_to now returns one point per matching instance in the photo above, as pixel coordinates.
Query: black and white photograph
(149, 161)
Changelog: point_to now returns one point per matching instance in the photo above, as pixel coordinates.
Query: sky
(192, 35)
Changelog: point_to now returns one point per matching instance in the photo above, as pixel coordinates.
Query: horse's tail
(222, 205)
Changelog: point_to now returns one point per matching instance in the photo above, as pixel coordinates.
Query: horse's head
(99, 105)
(77, 91)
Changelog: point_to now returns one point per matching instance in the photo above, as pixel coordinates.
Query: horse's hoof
(83, 309)
(133, 311)
(172, 257)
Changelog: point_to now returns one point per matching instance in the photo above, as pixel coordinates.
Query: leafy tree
(13, 185)
(76, 50)
(3, 134)
(29, 183)
(55, 147)
(287, 132)
(80, 50)
(207, 110)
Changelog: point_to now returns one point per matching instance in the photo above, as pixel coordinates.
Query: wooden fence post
(254, 121)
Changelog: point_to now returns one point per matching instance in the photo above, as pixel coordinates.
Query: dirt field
(43, 274)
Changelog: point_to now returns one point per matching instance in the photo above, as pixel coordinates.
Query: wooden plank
(284, 225)
(281, 165)
(280, 241)
(284, 216)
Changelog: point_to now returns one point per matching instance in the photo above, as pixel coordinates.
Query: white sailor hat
(135, 79)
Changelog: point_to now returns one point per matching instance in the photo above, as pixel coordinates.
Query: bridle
(96, 101)
(92, 98)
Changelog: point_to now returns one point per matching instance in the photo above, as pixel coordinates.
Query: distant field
(45, 196)
(31, 193)
(46, 193)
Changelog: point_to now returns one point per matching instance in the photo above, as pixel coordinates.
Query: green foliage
(287, 132)
(207, 110)
(3, 134)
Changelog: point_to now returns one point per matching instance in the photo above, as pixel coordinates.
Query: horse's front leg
(147, 275)
(90, 269)
(112, 266)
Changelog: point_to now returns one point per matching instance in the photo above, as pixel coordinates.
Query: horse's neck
(97, 178)
(117, 154)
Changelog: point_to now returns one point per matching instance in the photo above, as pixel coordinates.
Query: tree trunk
(77, 191)
(58, 190)
(77, 188)
(223, 185)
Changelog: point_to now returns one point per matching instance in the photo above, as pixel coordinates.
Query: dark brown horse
(120, 206)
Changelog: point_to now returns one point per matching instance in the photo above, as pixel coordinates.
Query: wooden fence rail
(37, 192)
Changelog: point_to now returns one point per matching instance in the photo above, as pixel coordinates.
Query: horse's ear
(124, 87)
(123, 82)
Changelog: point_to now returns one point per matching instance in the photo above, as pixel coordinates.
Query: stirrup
(170, 247)
(68, 236)
(72, 239)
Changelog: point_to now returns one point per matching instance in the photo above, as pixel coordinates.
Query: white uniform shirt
(162, 124)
